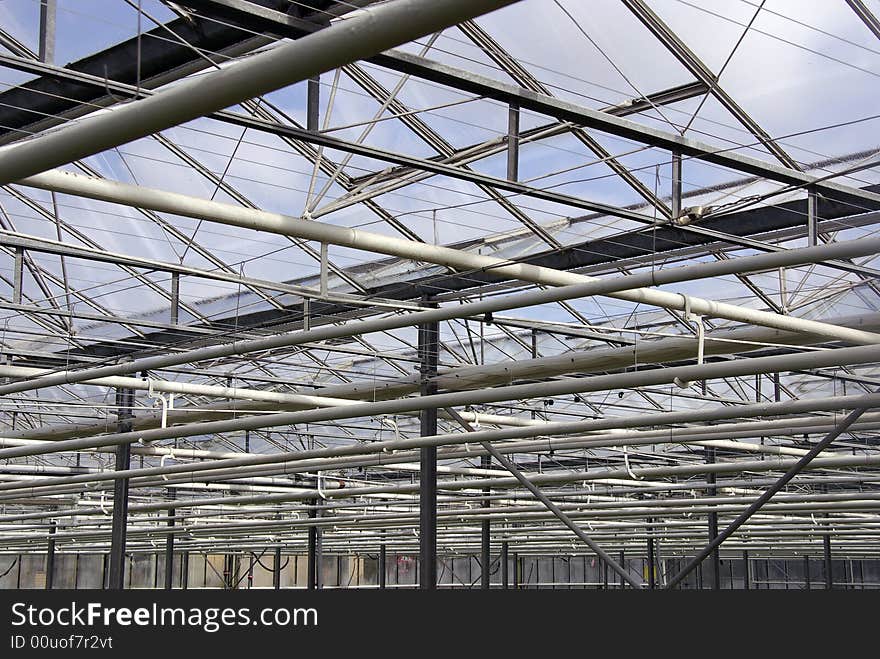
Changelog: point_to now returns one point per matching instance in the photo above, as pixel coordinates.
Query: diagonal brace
(764, 498)
(552, 507)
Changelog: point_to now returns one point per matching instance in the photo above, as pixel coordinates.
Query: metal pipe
(631, 290)
(838, 357)
(591, 287)
(388, 450)
(371, 31)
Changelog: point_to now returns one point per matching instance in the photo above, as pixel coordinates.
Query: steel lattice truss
(639, 235)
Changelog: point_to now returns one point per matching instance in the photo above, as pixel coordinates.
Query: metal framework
(318, 293)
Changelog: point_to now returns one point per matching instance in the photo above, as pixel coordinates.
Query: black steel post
(713, 522)
(50, 557)
(651, 578)
(313, 103)
(319, 548)
(505, 584)
(676, 185)
(383, 565)
(48, 12)
(517, 571)
(169, 553)
(747, 574)
(428, 345)
(276, 569)
(829, 576)
(623, 565)
(124, 405)
(312, 564)
(513, 143)
(807, 581)
(184, 570)
(485, 535)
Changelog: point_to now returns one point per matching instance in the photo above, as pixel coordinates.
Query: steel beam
(712, 520)
(377, 29)
(829, 566)
(383, 566)
(793, 471)
(48, 11)
(312, 566)
(429, 336)
(866, 16)
(50, 557)
(169, 553)
(485, 534)
(505, 579)
(124, 414)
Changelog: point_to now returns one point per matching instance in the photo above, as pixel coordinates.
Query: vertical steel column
(16, 275)
(829, 577)
(675, 205)
(651, 579)
(319, 548)
(623, 565)
(812, 217)
(124, 415)
(276, 569)
(485, 535)
(505, 582)
(313, 103)
(50, 556)
(169, 553)
(383, 562)
(807, 580)
(747, 576)
(428, 345)
(47, 31)
(713, 523)
(513, 143)
(184, 570)
(175, 298)
(312, 563)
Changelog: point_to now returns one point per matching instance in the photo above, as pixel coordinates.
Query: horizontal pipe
(838, 357)
(372, 31)
(467, 377)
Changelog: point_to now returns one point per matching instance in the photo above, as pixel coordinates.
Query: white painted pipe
(466, 377)
(733, 368)
(372, 31)
(575, 286)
